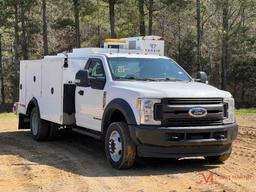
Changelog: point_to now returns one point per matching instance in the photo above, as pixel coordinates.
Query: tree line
(216, 36)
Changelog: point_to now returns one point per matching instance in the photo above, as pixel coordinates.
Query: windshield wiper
(169, 79)
(135, 78)
(139, 79)
(149, 79)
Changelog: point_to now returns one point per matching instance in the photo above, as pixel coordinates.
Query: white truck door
(89, 100)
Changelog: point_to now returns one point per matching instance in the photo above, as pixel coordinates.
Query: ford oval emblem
(197, 112)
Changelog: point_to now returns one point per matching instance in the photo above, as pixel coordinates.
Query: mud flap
(23, 122)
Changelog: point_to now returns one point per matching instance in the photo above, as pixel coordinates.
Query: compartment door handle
(81, 92)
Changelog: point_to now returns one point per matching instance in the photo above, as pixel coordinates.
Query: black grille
(197, 136)
(193, 101)
(175, 112)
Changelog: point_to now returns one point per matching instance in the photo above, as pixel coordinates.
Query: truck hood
(171, 89)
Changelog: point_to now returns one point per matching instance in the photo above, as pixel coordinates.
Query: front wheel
(119, 147)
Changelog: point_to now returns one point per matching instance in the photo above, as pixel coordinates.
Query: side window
(95, 68)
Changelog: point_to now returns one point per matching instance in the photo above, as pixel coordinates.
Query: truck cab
(137, 101)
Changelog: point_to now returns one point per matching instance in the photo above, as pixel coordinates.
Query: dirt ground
(78, 163)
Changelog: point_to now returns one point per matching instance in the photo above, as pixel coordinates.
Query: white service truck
(127, 94)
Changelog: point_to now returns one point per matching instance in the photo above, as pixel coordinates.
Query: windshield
(146, 69)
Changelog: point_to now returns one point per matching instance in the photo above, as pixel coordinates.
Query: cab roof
(85, 52)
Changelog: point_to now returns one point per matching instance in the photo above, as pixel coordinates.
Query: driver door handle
(81, 92)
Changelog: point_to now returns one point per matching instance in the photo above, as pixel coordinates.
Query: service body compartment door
(51, 108)
(22, 88)
(33, 80)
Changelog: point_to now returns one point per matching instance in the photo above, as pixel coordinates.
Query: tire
(119, 147)
(220, 158)
(39, 127)
(53, 131)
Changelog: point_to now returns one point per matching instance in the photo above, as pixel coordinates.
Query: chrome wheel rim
(115, 146)
(34, 124)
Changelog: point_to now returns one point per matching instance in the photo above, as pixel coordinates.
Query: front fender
(123, 107)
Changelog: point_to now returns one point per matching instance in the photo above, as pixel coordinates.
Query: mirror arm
(197, 80)
(77, 81)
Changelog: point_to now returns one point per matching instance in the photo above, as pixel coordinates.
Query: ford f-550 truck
(127, 94)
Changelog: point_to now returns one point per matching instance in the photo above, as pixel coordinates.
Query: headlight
(230, 110)
(146, 109)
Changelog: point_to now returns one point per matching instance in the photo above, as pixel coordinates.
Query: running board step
(88, 132)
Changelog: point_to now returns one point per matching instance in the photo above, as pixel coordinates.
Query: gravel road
(78, 163)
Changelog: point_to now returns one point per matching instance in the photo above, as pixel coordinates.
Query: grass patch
(7, 115)
(250, 111)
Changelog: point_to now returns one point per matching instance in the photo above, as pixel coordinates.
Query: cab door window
(95, 68)
(96, 74)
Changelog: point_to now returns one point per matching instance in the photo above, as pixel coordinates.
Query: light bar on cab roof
(115, 41)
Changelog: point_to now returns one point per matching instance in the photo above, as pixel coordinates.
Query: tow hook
(221, 137)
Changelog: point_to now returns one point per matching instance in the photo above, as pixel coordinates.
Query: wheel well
(31, 105)
(115, 116)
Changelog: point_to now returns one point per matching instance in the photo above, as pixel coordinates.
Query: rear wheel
(39, 127)
(120, 149)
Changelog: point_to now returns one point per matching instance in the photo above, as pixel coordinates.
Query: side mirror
(98, 82)
(82, 78)
(202, 77)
